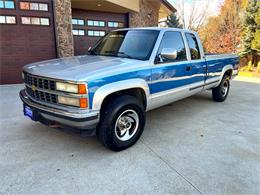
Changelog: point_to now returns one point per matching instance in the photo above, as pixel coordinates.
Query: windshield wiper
(119, 54)
(91, 52)
(124, 54)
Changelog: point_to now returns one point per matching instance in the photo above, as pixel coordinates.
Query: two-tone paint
(162, 83)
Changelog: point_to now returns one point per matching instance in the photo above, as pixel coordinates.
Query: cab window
(193, 46)
(173, 41)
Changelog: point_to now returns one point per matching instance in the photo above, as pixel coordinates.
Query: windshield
(136, 44)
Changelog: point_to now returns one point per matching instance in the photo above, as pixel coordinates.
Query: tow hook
(54, 125)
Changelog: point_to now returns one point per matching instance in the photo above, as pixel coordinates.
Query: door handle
(188, 68)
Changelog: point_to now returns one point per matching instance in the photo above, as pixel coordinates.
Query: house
(35, 30)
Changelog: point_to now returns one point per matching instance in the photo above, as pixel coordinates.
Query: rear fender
(224, 70)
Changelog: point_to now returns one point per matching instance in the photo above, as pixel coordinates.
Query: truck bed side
(217, 65)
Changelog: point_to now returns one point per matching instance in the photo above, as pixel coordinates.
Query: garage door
(90, 26)
(26, 36)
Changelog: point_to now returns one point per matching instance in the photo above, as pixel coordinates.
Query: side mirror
(168, 53)
(89, 48)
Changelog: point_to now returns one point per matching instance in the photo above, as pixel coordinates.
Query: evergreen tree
(250, 38)
(256, 40)
(173, 21)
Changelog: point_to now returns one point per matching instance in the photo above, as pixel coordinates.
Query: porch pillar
(63, 28)
(147, 16)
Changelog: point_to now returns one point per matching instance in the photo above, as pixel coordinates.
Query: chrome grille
(39, 82)
(36, 88)
(42, 96)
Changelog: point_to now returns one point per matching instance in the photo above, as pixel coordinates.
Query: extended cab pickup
(127, 73)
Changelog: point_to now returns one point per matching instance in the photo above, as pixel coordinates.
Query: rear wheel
(122, 123)
(220, 92)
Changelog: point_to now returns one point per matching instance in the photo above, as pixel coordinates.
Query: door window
(174, 41)
(193, 45)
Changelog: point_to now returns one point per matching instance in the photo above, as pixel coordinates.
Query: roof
(168, 5)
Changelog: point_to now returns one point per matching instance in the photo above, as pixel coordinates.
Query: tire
(122, 122)
(220, 93)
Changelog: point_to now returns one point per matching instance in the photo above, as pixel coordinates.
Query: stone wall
(147, 16)
(64, 37)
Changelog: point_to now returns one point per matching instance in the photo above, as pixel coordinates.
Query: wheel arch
(227, 70)
(135, 87)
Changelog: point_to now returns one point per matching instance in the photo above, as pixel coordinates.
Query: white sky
(213, 6)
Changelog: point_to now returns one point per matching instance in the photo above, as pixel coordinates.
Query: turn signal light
(82, 89)
(83, 103)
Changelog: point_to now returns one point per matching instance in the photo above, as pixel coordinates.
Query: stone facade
(64, 37)
(147, 16)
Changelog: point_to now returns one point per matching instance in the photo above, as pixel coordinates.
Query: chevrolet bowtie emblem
(33, 87)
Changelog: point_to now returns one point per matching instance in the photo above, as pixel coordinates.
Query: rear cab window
(193, 46)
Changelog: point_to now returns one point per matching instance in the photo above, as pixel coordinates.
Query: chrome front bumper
(80, 120)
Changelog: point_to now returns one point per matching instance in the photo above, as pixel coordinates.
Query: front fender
(108, 89)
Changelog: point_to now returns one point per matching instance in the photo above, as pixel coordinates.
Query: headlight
(72, 88)
(78, 102)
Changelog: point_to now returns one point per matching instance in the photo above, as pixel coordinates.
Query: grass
(243, 71)
(248, 74)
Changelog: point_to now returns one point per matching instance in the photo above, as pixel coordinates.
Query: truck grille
(41, 83)
(42, 96)
(35, 87)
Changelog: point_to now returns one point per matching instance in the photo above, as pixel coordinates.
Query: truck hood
(80, 68)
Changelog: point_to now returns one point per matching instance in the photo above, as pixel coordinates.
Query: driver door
(171, 77)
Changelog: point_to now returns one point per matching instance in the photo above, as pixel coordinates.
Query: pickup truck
(127, 73)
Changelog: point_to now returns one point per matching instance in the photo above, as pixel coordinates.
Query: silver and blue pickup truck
(127, 73)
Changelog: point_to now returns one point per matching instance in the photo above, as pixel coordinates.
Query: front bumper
(81, 120)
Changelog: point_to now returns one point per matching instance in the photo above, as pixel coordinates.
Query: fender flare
(108, 89)
(225, 69)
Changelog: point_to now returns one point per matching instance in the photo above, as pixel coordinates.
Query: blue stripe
(164, 77)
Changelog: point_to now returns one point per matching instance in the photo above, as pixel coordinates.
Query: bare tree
(193, 15)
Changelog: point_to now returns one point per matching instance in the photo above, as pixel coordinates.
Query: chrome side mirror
(89, 48)
(168, 53)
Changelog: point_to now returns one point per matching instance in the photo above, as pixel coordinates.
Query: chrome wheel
(126, 125)
(224, 89)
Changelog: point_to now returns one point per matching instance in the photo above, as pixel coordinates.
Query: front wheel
(220, 92)
(122, 123)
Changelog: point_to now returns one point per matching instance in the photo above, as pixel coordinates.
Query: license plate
(28, 112)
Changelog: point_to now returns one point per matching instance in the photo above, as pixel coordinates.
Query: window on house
(43, 6)
(120, 25)
(96, 33)
(96, 23)
(115, 24)
(77, 22)
(78, 32)
(45, 21)
(36, 21)
(33, 6)
(7, 19)
(7, 4)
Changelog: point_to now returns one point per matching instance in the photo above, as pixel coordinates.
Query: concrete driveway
(194, 146)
